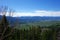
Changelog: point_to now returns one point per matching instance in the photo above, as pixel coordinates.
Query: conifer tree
(5, 30)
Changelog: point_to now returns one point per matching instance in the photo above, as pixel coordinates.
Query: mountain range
(28, 19)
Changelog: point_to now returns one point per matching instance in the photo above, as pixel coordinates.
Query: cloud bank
(36, 13)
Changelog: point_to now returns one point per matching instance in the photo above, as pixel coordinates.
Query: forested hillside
(33, 33)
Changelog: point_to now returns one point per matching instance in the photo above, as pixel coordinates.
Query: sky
(33, 7)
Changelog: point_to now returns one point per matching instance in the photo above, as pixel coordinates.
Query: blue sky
(31, 6)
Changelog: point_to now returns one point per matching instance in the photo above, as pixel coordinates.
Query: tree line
(33, 33)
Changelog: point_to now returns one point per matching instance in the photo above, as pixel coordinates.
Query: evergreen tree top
(4, 20)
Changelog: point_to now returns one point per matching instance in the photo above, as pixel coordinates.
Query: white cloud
(36, 13)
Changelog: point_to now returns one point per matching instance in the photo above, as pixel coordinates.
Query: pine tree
(5, 30)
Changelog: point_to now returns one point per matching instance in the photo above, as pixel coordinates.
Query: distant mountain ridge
(28, 19)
